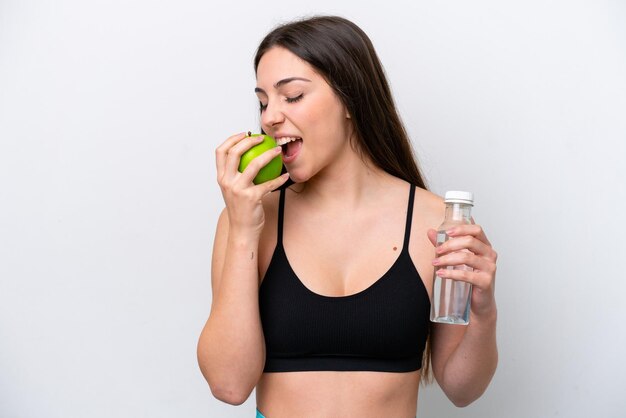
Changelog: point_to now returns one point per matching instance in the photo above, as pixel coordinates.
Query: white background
(110, 112)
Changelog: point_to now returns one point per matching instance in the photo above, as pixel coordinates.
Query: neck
(345, 185)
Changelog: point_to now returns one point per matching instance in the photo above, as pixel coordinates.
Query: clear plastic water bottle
(451, 298)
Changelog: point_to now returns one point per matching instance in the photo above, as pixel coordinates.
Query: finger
(258, 163)
(271, 185)
(237, 150)
(222, 151)
(466, 258)
(466, 242)
(479, 279)
(474, 230)
(432, 236)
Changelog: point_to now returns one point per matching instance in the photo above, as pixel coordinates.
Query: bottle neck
(458, 212)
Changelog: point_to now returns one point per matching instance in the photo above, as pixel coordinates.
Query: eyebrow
(282, 82)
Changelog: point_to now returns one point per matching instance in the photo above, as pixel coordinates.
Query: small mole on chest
(395, 248)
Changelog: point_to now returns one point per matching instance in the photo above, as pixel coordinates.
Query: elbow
(224, 386)
(229, 394)
(462, 402)
(463, 392)
(462, 395)
(232, 385)
(463, 398)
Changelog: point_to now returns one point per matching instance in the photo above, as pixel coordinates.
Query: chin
(295, 177)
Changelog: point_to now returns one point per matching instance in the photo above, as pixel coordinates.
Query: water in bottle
(451, 298)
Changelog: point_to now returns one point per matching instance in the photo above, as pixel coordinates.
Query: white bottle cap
(466, 198)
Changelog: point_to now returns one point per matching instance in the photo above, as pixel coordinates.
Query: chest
(342, 257)
(380, 328)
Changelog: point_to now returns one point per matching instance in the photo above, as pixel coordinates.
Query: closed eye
(294, 99)
(262, 107)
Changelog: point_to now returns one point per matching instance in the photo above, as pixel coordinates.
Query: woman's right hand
(243, 198)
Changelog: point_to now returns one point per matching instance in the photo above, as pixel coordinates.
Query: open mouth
(291, 146)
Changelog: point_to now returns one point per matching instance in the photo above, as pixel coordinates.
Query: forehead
(279, 63)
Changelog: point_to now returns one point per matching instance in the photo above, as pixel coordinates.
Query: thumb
(432, 236)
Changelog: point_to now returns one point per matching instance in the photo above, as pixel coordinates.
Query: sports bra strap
(281, 212)
(409, 218)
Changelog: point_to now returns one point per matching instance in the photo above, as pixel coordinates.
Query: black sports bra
(382, 328)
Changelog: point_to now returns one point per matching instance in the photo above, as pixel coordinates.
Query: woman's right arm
(231, 348)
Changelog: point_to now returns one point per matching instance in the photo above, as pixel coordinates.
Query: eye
(294, 99)
(262, 107)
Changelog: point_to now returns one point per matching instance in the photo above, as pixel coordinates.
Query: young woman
(321, 291)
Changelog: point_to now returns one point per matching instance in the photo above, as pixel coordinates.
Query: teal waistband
(260, 415)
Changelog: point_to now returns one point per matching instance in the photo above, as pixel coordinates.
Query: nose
(271, 116)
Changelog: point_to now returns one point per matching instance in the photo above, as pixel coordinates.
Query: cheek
(335, 126)
(327, 117)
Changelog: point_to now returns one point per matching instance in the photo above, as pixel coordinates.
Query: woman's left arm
(464, 357)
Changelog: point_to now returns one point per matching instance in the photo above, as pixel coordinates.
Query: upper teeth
(286, 139)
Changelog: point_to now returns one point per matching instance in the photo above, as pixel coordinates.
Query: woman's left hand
(469, 246)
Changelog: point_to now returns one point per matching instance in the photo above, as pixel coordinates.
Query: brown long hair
(344, 55)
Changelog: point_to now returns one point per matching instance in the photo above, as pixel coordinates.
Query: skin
(336, 203)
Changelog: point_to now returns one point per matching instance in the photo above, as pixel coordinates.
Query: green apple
(272, 169)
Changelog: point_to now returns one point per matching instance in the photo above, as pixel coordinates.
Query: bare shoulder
(429, 208)
(428, 212)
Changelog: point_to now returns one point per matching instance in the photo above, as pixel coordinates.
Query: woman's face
(302, 112)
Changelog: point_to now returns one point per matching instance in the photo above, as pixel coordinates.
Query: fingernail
(441, 272)
(451, 231)
(435, 261)
(278, 149)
